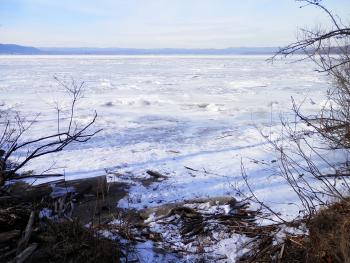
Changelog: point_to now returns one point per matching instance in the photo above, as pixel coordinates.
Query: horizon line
(145, 48)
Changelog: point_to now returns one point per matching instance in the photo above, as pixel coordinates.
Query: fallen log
(36, 176)
(20, 258)
(156, 175)
(27, 232)
(164, 211)
(29, 193)
(9, 235)
(7, 254)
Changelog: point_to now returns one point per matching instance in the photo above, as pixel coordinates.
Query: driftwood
(156, 175)
(27, 232)
(22, 190)
(22, 232)
(94, 198)
(165, 210)
(14, 216)
(9, 235)
(7, 254)
(36, 176)
(20, 258)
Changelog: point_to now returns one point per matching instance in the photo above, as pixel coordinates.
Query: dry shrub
(329, 234)
(294, 250)
(314, 156)
(328, 240)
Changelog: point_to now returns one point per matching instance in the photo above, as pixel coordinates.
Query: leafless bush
(314, 152)
(314, 177)
(14, 128)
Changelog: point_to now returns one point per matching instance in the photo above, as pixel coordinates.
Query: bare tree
(14, 127)
(314, 180)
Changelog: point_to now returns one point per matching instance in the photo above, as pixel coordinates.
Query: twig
(27, 233)
(22, 257)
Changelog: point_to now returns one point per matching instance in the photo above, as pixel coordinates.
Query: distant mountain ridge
(12, 49)
(160, 51)
(18, 49)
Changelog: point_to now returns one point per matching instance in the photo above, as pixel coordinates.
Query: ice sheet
(166, 113)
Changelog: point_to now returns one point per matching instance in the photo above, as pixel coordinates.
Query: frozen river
(166, 113)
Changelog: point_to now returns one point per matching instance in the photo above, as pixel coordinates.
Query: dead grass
(71, 242)
(327, 241)
(329, 234)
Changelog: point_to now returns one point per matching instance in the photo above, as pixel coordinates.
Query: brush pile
(39, 224)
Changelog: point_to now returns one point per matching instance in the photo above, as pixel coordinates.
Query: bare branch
(10, 139)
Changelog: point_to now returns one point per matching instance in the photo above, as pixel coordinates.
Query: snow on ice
(192, 119)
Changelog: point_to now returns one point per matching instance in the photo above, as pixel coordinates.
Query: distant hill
(18, 50)
(13, 49)
(160, 51)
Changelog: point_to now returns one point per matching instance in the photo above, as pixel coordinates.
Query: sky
(159, 23)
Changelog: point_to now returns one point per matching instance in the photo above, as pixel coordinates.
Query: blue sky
(158, 23)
